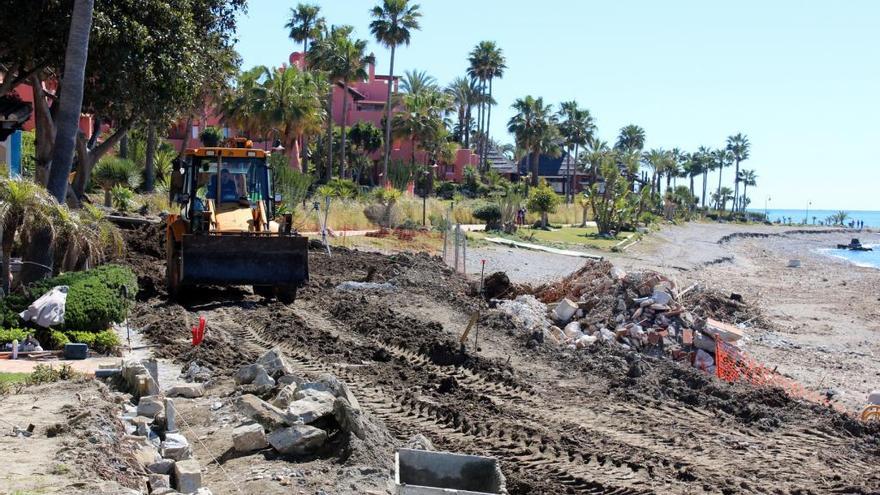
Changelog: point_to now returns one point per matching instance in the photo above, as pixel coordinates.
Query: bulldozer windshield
(231, 180)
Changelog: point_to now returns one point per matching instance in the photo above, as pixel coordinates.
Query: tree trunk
(328, 164)
(577, 149)
(96, 132)
(692, 186)
(150, 160)
(467, 127)
(388, 119)
(84, 173)
(186, 134)
(535, 167)
(344, 122)
(705, 184)
(543, 219)
(6, 241)
(735, 188)
(38, 255)
(720, 171)
(70, 105)
(488, 124)
(45, 131)
(123, 147)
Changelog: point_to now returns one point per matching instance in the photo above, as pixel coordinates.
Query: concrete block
(175, 447)
(311, 408)
(150, 406)
(274, 363)
(158, 481)
(188, 476)
(264, 413)
(248, 438)
(247, 374)
(189, 390)
(298, 439)
(421, 472)
(161, 467)
(170, 416)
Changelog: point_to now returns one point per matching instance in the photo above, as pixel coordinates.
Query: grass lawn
(566, 238)
(430, 242)
(12, 378)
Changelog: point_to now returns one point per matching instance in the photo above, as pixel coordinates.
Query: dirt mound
(145, 255)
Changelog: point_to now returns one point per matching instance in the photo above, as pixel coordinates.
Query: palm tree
(721, 198)
(691, 168)
(597, 151)
(344, 60)
(722, 159)
(422, 119)
(70, 106)
(486, 63)
(704, 157)
(631, 139)
(535, 129)
(22, 204)
(305, 24)
(577, 127)
(392, 24)
(748, 178)
(738, 146)
(415, 81)
(465, 94)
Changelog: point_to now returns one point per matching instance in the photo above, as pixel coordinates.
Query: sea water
(861, 258)
(871, 218)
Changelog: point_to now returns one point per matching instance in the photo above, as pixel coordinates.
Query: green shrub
(446, 189)
(76, 337)
(106, 341)
(57, 339)
(122, 198)
(112, 171)
(489, 213)
(10, 334)
(10, 307)
(47, 374)
(211, 136)
(95, 298)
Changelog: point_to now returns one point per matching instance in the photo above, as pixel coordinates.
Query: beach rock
(264, 413)
(188, 476)
(297, 439)
(419, 442)
(349, 418)
(161, 467)
(189, 391)
(874, 398)
(158, 481)
(248, 438)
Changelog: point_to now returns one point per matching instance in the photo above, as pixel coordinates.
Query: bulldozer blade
(244, 260)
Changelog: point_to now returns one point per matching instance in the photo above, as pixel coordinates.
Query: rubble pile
(299, 417)
(642, 311)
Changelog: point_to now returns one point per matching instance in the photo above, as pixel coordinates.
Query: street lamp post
(766, 214)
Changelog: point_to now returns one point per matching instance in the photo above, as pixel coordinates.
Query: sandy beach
(825, 327)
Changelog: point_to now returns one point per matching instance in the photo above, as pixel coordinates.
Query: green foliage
(10, 334)
(544, 200)
(95, 299)
(122, 198)
(446, 189)
(57, 339)
(609, 197)
(28, 154)
(400, 174)
(44, 373)
(489, 213)
(103, 342)
(341, 188)
(10, 307)
(112, 171)
(211, 136)
(292, 185)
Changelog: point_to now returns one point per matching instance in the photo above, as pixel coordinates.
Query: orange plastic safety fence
(733, 364)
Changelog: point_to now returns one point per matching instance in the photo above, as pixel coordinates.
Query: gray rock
(175, 447)
(159, 481)
(289, 380)
(264, 413)
(161, 467)
(419, 442)
(285, 396)
(661, 297)
(170, 416)
(275, 363)
(297, 439)
(188, 476)
(312, 408)
(248, 438)
(263, 379)
(150, 406)
(165, 491)
(247, 374)
(189, 391)
(348, 418)
(141, 425)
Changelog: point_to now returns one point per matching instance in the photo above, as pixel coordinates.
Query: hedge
(9, 334)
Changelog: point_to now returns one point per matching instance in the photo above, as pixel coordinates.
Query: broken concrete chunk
(274, 363)
(285, 396)
(349, 418)
(150, 406)
(724, 331)
(248, 438)
(247, 374)
(298, 439)
(141, 425)
(159, 481)
(874, 398)
(419, 442)
(565, 310)
(188, 476)
(176, 447)
(311, 408)
(161, 467)
(263, 380)
(264, 413)
(189, 391)
(661, 297)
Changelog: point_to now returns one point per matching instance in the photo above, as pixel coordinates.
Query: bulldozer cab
(226, 232)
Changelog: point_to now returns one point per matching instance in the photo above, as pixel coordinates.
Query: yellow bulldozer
(228, 230)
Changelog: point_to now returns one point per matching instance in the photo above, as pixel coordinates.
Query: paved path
(538, 247)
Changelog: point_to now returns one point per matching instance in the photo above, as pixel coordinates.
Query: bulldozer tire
(286, 295)
(264, 291)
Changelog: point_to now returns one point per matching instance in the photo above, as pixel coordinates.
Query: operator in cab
(228, 188)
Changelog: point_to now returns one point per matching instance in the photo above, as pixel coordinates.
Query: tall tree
(392, 26)
(631, 139)
(415, 81)
(465, 94)
(738, 146)
(487, 62)
(70, 107)
(707, 164)
(748, 178)
(534, 127)
(305, 24)
(577, 127)
(723, 158)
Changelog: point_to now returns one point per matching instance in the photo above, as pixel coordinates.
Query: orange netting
(733, 364)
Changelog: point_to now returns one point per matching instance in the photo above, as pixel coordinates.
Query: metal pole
(464, 252)
(424, 202)
(455, 246)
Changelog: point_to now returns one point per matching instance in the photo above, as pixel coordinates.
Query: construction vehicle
(226, 232)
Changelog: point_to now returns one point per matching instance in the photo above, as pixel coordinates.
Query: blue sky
(800, 78)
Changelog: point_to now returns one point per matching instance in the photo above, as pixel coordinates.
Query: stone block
(248, 438)
(188, 476)
(297, 439)
(175, 447)
(264, 413)
(189, 390)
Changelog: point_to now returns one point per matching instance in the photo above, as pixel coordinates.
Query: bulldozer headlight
(251, 153)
